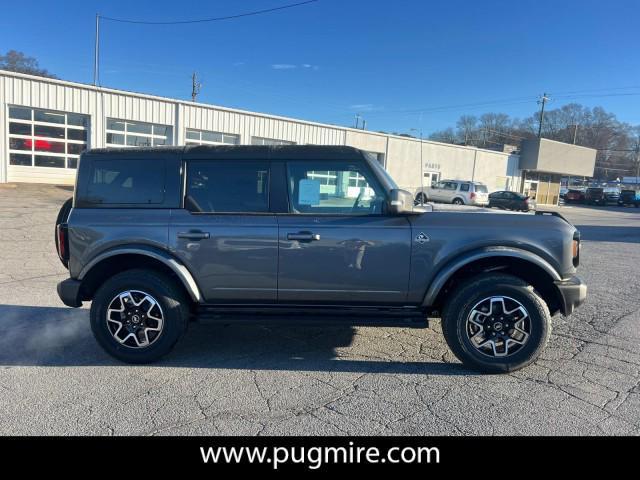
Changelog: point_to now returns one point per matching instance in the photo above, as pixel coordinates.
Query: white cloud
(364, 107)
(292, 66)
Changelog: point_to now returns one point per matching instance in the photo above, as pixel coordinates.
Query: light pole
(421, 167)
(96, 53)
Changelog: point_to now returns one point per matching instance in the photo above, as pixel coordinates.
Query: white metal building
(45, 124)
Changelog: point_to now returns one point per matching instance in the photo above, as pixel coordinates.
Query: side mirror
(401, 203)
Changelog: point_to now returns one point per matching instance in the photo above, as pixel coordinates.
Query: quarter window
(124, 133)
(203, 137)
(224, 186)
(344, 189)
(43, 138)
(126, 181)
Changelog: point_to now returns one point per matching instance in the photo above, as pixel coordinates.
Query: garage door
(44, 145)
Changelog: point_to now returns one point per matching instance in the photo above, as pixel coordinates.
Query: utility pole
(421, 167)
(195, 87)
(575, 133)
(357, 120)
(364, 124)
(96, 53)
(543, 101)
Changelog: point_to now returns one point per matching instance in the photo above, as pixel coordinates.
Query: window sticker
(309, 192)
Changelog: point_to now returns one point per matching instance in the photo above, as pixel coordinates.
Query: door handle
(303, 236)
(194, 235)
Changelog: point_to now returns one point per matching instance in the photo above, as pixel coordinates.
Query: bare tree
(590, 127)
(467, 126)
(15, 61)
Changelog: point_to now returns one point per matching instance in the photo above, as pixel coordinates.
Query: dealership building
(46, 123)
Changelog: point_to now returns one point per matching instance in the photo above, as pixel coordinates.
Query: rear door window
(227, 186)
(126, 181)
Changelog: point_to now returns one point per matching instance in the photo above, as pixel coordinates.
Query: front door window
(333, 189)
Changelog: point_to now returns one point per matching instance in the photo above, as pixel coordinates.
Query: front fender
(166, 258)
(456, 264)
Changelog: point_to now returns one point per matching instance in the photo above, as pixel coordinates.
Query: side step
(320, 314)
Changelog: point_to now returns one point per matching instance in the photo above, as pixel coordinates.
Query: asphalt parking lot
(226, 378)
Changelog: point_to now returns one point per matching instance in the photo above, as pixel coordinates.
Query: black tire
(457, 310)
(420, 198)
(171, 299)
(458, 201)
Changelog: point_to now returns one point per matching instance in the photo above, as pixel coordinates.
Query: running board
(299, 314)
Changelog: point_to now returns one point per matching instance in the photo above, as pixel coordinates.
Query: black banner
(480, 455)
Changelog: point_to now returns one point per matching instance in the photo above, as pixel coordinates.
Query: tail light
(575, 248)
(62, 235)
(473, 195)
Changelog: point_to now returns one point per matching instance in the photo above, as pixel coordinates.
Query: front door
(226, 235)
(337, 245)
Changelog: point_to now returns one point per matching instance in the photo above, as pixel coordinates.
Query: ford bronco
(156, 236)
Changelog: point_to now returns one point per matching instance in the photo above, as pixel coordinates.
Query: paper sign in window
(309, 192)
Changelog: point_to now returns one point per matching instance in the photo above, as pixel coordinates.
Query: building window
(44, 138)
(323, 176)
(203, 137)
(124, 133)
(269, 141)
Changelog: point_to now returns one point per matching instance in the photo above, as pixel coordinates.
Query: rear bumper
(573, 293)
(69, 292)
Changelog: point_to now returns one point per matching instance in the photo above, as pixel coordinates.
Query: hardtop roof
(298, 152)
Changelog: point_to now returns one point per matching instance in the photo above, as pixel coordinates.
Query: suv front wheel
(496, 323)
(137, 316)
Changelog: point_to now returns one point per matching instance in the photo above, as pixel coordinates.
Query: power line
(212, 19)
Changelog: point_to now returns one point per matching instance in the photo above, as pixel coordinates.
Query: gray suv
(458, 192)
(156, 236)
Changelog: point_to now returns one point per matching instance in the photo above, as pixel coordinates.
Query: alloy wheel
(498, 326)
(135, 319)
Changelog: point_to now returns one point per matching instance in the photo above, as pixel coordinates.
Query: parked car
(563, 192)
(595, 196)
(458, 192)
(611, 195)
(154, 236)
(629, 197)
(511, 201)
(574, 195)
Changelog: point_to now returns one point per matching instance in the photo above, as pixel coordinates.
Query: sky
(399, 64)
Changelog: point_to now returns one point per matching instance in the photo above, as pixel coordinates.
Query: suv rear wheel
(137, 316)
(458, 201)
(496, 323)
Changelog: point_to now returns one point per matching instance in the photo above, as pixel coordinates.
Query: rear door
(337, 244)
(226, 234)
(497, 199)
